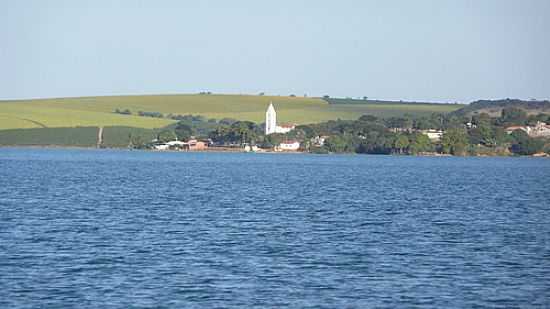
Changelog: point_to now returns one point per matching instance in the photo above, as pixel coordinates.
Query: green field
(98, 111)
(74, 137)
(113, 137)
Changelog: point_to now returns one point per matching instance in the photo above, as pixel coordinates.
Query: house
(400, 130)
(161, 147)
(511, 129)
(196, 145)
(175, 144)
(192, 145)
(284, 128)
(540, 129)
(291, 145)
(171, 145)
(271, 122)
(319, 140)
(434, 135)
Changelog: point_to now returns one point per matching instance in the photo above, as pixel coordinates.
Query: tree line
(462, 135)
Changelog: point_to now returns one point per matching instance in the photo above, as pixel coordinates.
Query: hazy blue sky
(419, 50)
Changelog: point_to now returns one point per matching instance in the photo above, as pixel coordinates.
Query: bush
(123, 112)
(151, 114)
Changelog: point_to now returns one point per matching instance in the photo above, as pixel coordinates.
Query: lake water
(101, 228)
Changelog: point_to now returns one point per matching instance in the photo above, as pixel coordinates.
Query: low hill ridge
(494, 107)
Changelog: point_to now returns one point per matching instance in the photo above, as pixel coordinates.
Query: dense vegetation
(496, 106)
(478, 135)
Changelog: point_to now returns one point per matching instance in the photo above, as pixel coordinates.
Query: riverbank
(240, 150)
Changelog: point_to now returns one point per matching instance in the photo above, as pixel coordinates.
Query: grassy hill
(99, 111)
(383, 108)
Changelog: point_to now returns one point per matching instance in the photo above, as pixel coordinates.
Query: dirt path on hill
(35, 122)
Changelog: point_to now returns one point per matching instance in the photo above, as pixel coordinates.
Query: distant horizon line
(261, 94)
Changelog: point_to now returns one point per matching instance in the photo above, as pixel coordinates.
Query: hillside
(383, 108)
(494, 107)
(99, 111)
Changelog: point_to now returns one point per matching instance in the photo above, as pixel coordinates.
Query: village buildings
(433, 135)
(271, 122)
(190, 145)
(540, 129)
(289, 145)
(272, 127)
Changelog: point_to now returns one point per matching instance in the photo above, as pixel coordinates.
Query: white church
(271, 122)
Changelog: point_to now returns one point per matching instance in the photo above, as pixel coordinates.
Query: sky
(440, 51)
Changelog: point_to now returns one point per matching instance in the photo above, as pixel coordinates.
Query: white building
(319, 140)
(169, 145)
(288, 146)
(434, 135)
(271, 122)
(175, 144)
(540, 129)
(161, 147)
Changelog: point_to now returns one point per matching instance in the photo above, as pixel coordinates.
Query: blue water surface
(125, 229)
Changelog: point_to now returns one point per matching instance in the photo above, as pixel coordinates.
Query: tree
(453, 122)
(369, 118)
(183, 131)
(500, 136)
(227, 121)
(239, 132)
(123, 112)
(528, 147)
(481, 119)
(166, 136)
(401, 143)
(308, 131)
(399, 122)
(135, 142)
(420, 143)
(272, 140)
(482, 135)
(513, 115)
(376, 142)
(437, 119)
(522, 144)
(533, 119)
(454, 141)
(426, 123)
(245, 130)
(338, 143)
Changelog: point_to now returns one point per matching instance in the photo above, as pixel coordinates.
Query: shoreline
(226, 150)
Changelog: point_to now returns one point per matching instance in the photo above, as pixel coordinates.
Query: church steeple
(270, 119)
